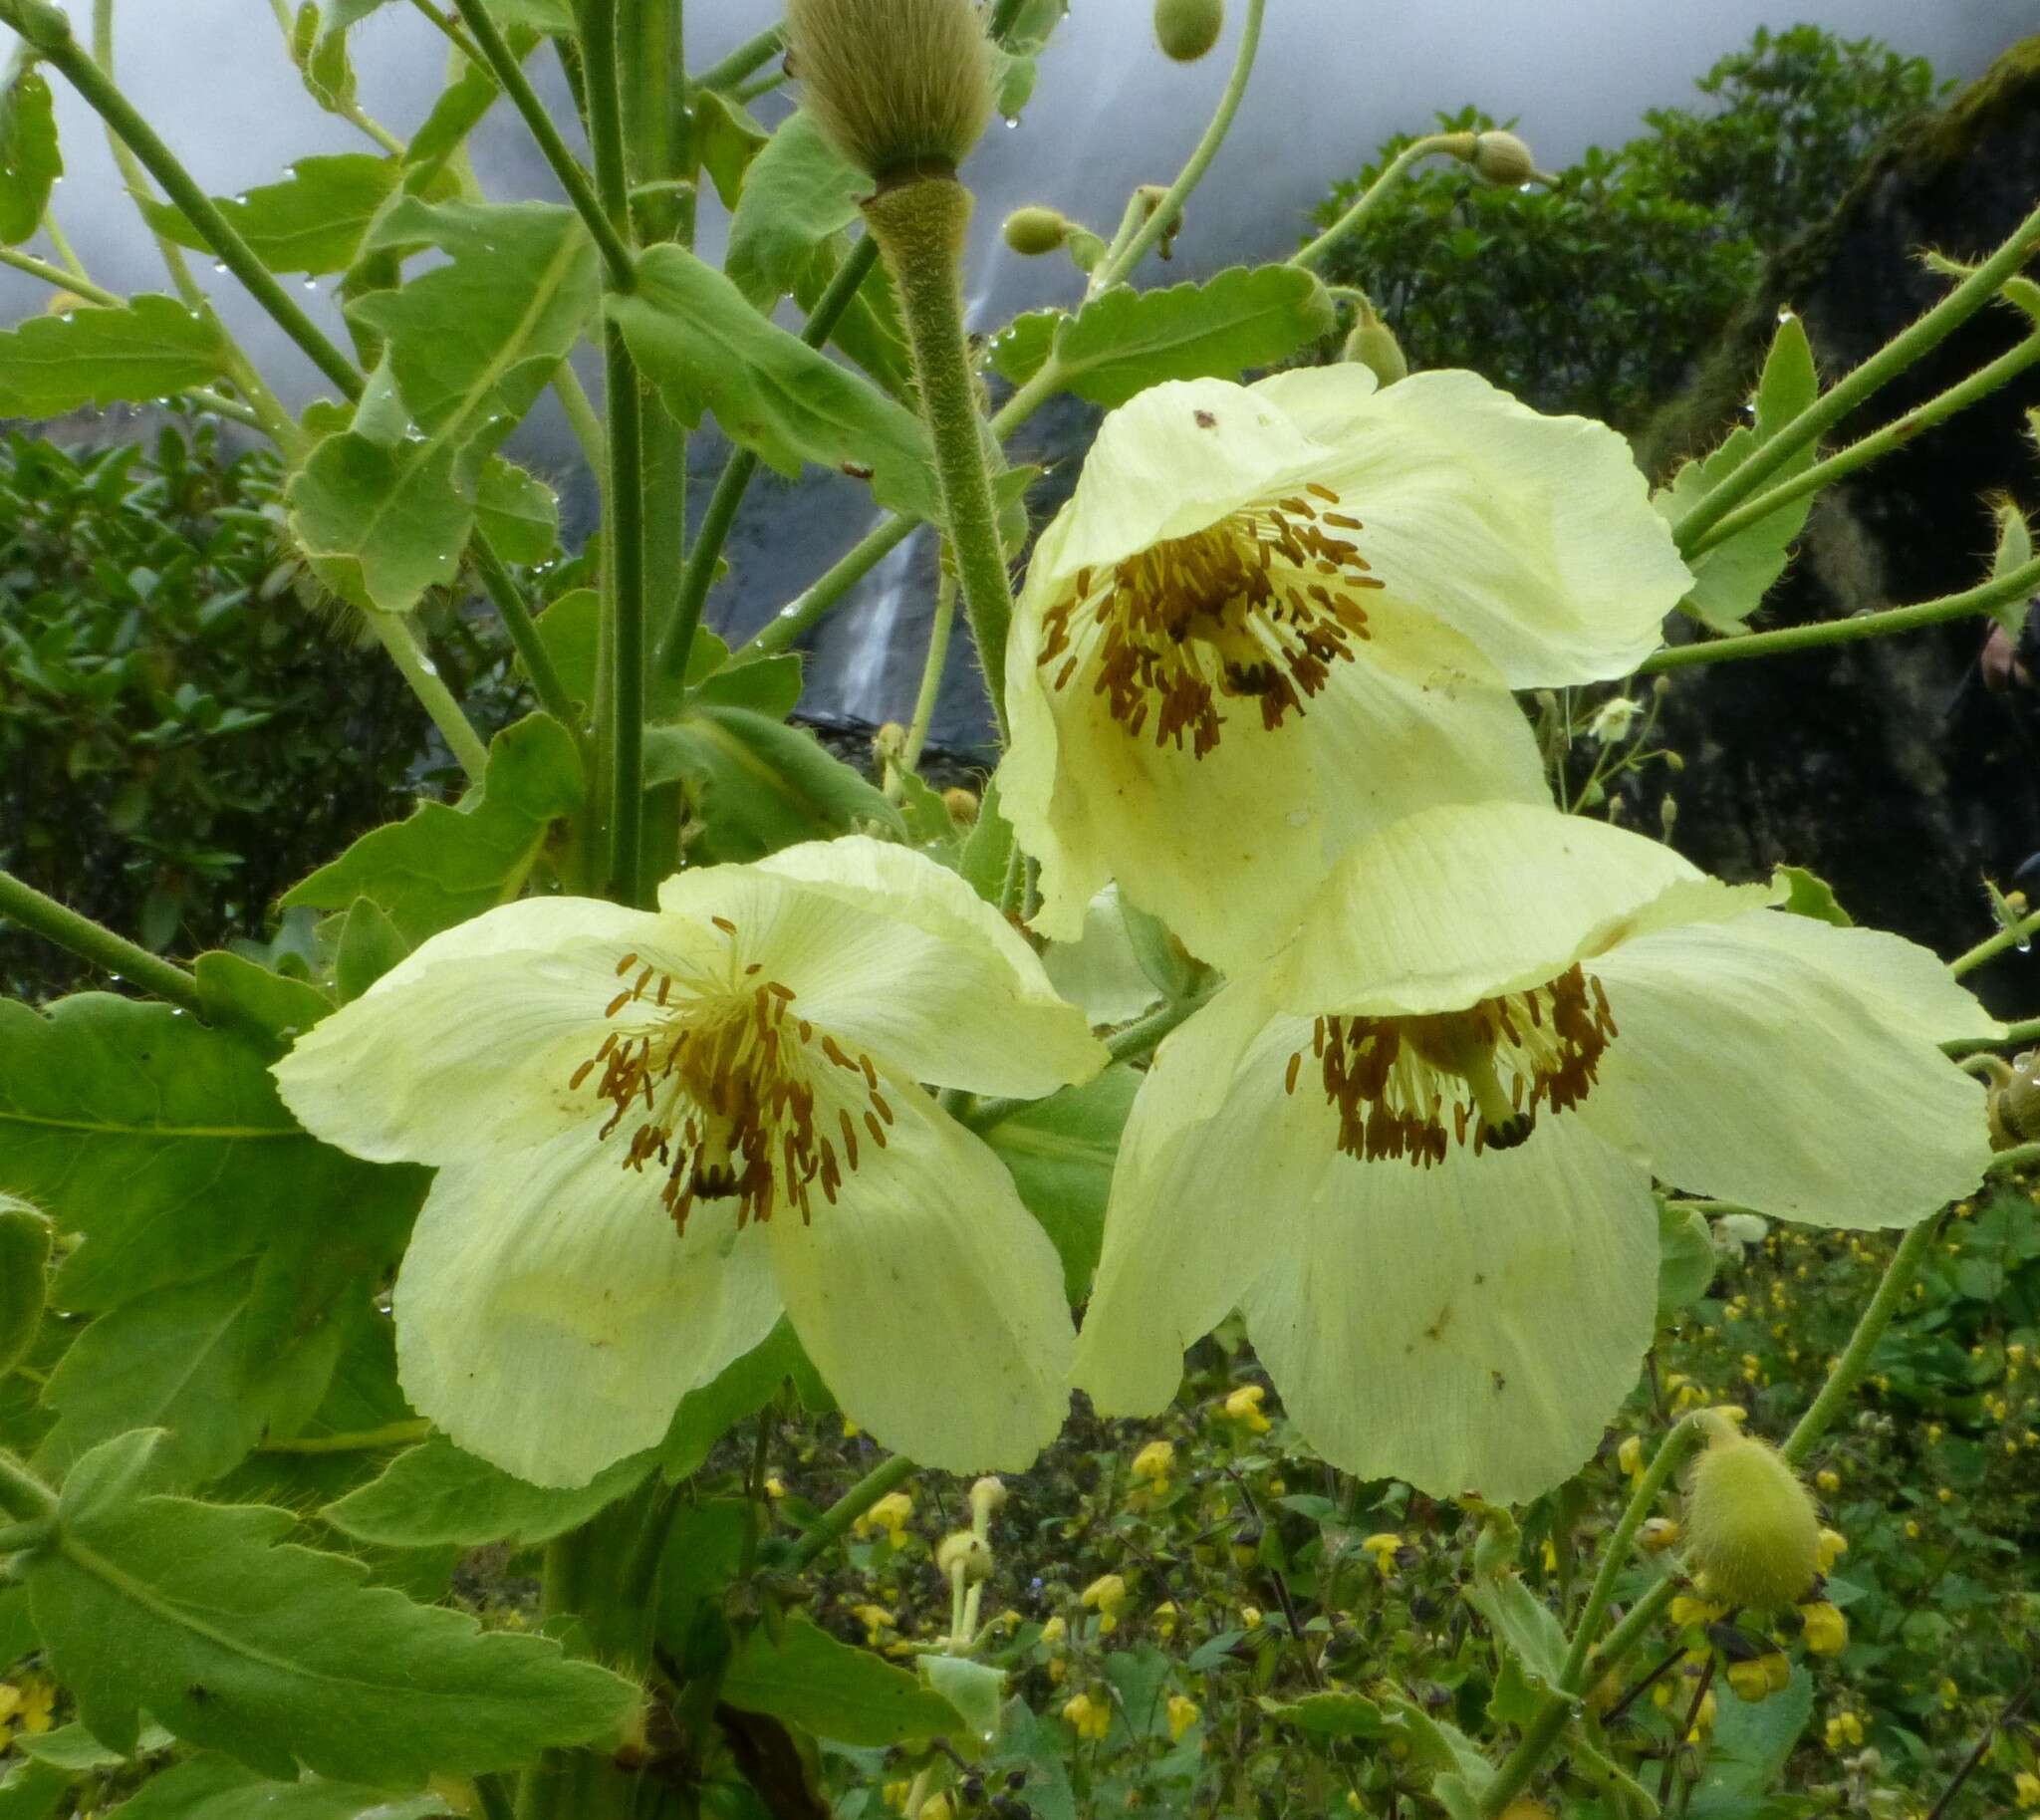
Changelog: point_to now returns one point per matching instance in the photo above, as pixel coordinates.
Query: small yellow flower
(37, 1704)
(1154, 1464)
(2015, 1353)
(1827, 1631)
(1086, 1716)
(1950, 1695)
(1749, 1680)
(1104, 1596)
(890, 1513)
(1828, 1481)
(1686, 1609)
(1244, 1408)
(1845, 1728)
(2026, 1785)
(1383, 1547)
(1833, 1546)
(1165, 1616)
(937, 1807)
(1057, 1669)
(775, 1486)
(1657, 1534)
(1630, 1456)
(1183, 1715)
(895, 1795)
(1250, 1617)
(876, 1619)
(1946, 1496)
(1911, 1530)
(1055, 1630)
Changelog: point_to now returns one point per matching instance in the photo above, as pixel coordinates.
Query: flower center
(729, 1090)
(1257, 606)
(1392, 1079)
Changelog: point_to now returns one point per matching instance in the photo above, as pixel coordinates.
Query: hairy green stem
(1859, 453)
(23, 1494)
(2013, 586)
(45, 916)
(2017, 1158)
(1168, 212)
(2025, 1031)
(510, 78)
(1848, 1369)
(2010, 935)
(932, 665)
(1903, 351)
(919, 227)
(502, 590)
(395, 635)
(1433, 144)
(748, 56)
(828, 1528)
(698, 576)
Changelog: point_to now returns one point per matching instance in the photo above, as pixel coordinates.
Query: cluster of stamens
(1257, 606)
(716, 1081)
(1396, 1080)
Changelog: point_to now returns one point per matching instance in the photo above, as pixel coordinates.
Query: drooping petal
(1470, 1327)
(930, 1299)
(464, 1049)
(898, 957)
(549, 1318)
(1226, 849)
(1744, 1071)
(1215, 1161)
(1454, 904)
(1531, 535)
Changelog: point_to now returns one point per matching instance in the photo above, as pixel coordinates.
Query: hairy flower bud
(901, 88)
(986, 1496)
(1373, 345)
(1750, 1526)
(1034, 230)
(965, 1551)
(1503, 159)
(1187, 29)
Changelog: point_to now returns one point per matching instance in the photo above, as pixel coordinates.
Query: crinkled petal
(1226, 849)
(1532, 535)
(897, 957)
(1742, 1071)
(1908, 985)
(464, 1049)
(930, 1300)
(1454, 904)
(549, 1318)
(1215, 1161)
(1471, 1327)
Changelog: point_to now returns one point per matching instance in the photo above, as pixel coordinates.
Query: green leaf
(435, 1493)
(1060, 1152)
(759, 785)
(164, 1144)
(745, 1386)
(279, 1655)
(32, 1792)
(1522, 1624)
(271, 1008)
(975, 1689)
(516, 511)
(706, 348)
(726, 139)
(379, 523)
(74, 1748)
(837, 1692)
(1327, 1716)
(700, 1558)
(446, 864)
(1731, 579)
(312, 222)
(1125, 341)
(1687, 1258)
(1808, 894)
(217, 1789)
(148, 348)
(24, 1263)
(987, 847)
(798, 194)
(183, 1360)
(369, 945)
(1750, 1745)
(30, 161)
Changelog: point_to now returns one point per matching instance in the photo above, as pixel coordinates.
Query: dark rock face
(1886, 766)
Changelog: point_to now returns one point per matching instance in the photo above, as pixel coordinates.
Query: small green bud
(1035, 230)
(902, 89)
(2015, 1104)
(1373, 345)
(1503, 159)
(1750, 1526)
(1187, 29)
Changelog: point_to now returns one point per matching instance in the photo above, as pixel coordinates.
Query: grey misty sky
(1334, 78)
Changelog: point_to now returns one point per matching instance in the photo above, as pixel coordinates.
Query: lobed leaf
(834, 1689)
(30, 161)
(149, 347)
(312, 222)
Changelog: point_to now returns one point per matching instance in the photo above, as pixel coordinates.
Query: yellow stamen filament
(1257, 606)
(1396, 1082)
(717, 1081)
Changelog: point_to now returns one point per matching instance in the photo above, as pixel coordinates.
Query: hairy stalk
(80, 935)
(395, 635)
(24, 1493)
(2027, 1030)
(919, 227)
(2008, 936)
(1433, 144)
(828, 1528)
(2016, 585)
(2019, 1157)
(931, 669)
(741, 62)
(1910, 345)
(501, 588)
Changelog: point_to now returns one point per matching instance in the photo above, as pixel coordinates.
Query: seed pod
(901, 88)
(1750, 1524)
(1035, 230)
(1503, 159)
(1187, 29)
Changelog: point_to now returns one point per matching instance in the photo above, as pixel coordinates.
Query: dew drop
(311, 284)
(1012, 120)
(219, 265)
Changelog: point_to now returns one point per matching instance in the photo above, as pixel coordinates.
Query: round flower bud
(964, 808)
(987, 1494)
(1034, 230)
(1750, 1526)
(1373, 345)
(902, 89)
(1503, 159)
(966, 1551)
(1187, 29)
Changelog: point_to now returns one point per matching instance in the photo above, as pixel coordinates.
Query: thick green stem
(698, 576)
(1168, 212)
(1859, 453)
(2015, 933)
(1458, 145)
(394, 635)
(22, 1492)
(1848, 1369)
(45, 916)
(2013, 586)
(510, 77)
(919, 227)
(1910, 346)
(828, 1528)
